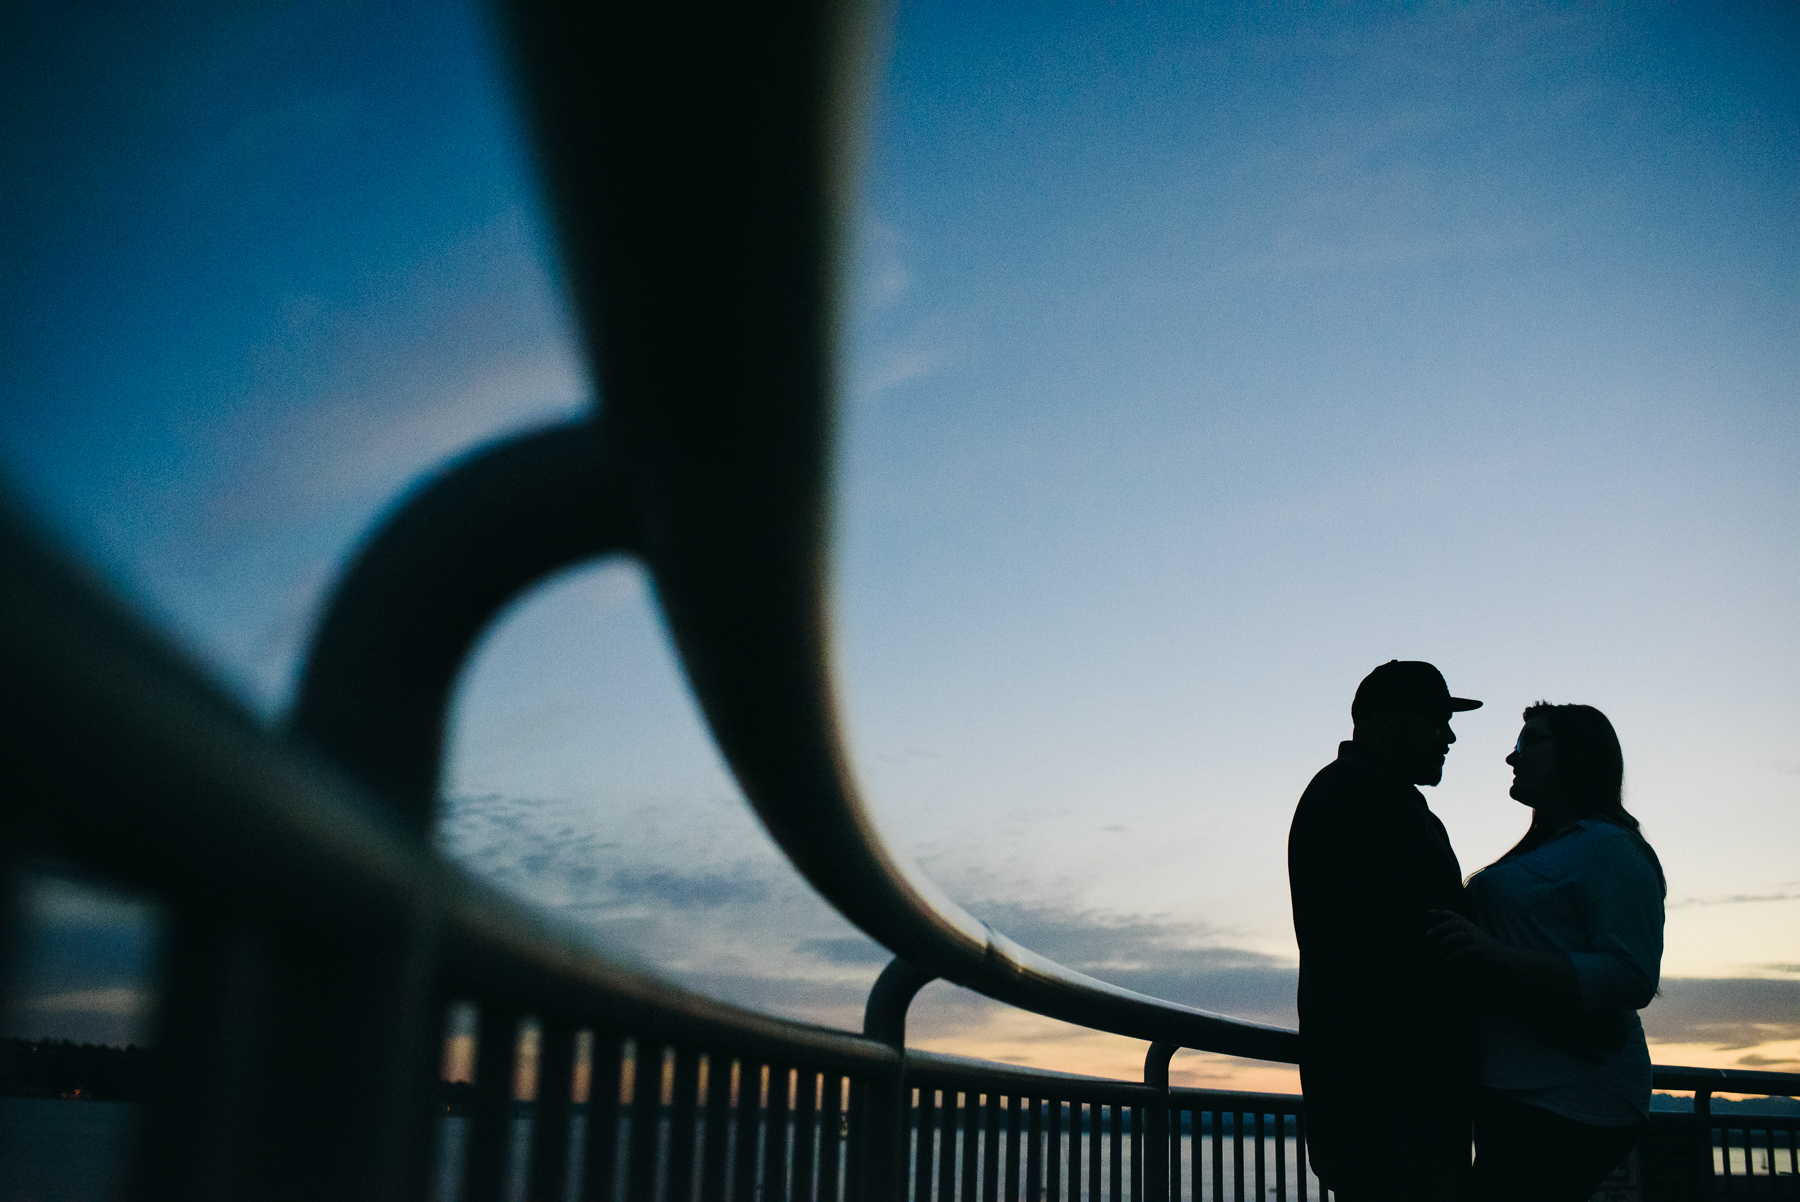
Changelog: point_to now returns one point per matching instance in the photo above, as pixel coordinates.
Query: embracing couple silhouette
(1505, 1005)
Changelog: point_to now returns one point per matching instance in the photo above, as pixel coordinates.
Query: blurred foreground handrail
(706, 283)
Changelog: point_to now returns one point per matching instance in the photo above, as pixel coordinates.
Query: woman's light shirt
(1594, 892)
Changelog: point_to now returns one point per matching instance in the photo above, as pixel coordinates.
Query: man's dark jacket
(1378, 1026)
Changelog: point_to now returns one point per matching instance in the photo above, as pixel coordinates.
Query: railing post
(884, 1142)
(1703, 1120)
(1156, 1122)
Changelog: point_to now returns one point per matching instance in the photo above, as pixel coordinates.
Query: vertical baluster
(806, 1129)
(1300, 1154)
(1176, 1115)
(775, 1135)
(924, 1123)
(1262, 1189)
(1095, 1150)
(1053, 1150)
(682, 1150)
(1014, 1119)
(1116, 1154)
(490, 1124)
(1237, 1156)
(718, 1127)
(990, 1150)
(600, 1161)
(1034, 1152)
(1139, 1149)
(646, 1110)
(1196, 1165)
(549, 1173)
(1078, 1125)
(856, 1169)
(749, 1130)
(971, 1147)
(1076, 1133)
(1281, 1150)
(946, 1162)
(195, 1131)
(831, 1141)
(1218, 1155)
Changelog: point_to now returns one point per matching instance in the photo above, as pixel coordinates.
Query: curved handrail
(706, 286)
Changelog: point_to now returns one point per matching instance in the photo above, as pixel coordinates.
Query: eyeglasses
(1536, 738)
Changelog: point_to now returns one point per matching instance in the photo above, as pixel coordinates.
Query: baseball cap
(1407, 684)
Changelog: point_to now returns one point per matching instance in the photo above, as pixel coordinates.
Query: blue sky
(1197, 359)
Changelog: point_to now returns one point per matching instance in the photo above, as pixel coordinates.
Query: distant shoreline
(62, 1070)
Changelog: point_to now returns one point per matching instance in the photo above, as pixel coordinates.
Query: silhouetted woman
(1567, 949)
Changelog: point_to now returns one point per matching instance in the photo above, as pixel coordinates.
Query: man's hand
(1537, 988)
(1460, 945)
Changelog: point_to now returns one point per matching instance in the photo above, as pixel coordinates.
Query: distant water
(55, 1151)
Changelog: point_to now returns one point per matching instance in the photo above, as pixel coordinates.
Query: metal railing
(1728, 1154)
(696, 159)
(978, 1130)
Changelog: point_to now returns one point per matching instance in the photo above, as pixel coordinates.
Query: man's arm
(1353, 910)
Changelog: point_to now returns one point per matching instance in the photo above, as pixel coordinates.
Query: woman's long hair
(1590, 770)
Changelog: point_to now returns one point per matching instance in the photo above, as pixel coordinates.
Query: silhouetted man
(1387, 1056)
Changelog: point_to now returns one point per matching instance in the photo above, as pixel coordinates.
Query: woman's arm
(1621, 898)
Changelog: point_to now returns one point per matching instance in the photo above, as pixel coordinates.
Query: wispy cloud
(692, 890)
(116, 1001)
(900, 365)
(1737, 1012)
(884, 277)
(1184, 961)
(1769, 1062)
(853, 949)
(1732, 899)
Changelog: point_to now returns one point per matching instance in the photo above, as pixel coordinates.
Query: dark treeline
(91, 1072)
(46, 1068)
